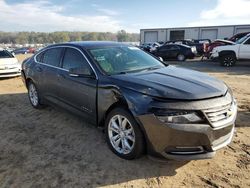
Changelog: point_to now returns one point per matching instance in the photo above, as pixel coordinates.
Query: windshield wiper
(138, 70)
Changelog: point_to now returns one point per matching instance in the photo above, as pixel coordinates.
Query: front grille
(221, 115)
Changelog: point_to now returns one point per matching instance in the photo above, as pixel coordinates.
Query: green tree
(122, 36)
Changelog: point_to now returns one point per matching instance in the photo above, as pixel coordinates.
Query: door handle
(39, 69)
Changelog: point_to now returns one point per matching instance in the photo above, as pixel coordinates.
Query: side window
(52, 56)
(74, 59)
(174, 47)
(39, 57)
(247, 42)
(164, 48)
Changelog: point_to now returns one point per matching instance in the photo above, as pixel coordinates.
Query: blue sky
(113, 15)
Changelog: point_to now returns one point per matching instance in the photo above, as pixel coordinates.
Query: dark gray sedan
(143, 104)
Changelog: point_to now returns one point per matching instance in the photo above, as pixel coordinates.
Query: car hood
(8, 61)
(225, 41)
(172, 83)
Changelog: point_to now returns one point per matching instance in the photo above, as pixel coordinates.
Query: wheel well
(28, 80)
(117, 104)
(227, 52)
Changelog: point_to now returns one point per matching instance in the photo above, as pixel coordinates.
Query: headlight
(193, 49)
(181, 117)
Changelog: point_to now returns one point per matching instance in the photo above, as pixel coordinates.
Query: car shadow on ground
(52, 147)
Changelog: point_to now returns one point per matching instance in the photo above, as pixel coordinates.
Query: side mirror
(160, 58)
(81, 72)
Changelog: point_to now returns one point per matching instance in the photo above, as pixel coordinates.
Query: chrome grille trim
(220, 116)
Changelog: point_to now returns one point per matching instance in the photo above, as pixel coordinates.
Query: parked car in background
(24, 50)
(219, 42)
(175, 51)
(143, 104)
(31, 50)
(9, 66)
(148, 47)
(228, 55)
(198, 45)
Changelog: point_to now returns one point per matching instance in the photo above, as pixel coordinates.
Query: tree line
(65, 36)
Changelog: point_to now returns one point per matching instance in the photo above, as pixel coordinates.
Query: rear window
(51, 57)
(5, 54)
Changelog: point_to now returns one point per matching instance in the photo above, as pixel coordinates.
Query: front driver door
(78, 92)
(244, 51)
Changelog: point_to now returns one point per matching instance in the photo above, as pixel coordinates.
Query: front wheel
(181, 57)
(228, 60)
(123, 134)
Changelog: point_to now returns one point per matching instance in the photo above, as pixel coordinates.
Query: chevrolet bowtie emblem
(229, 113)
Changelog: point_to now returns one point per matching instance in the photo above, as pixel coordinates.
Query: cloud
(45, 16)
(225, 12)
(108, 11)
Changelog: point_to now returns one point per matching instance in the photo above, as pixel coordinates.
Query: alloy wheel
(121, 134)
(33, 94)
(228, 61)
(180, 57)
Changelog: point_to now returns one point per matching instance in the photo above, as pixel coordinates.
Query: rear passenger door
(174, 51)
(163, 52)
(47, 67)
(78, 92)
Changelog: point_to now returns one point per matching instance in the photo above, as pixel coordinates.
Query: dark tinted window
(248, 41)
(174, 47)
(74, 59)
(52, 56)
(39, 57)
(5, 54)
(163, 48)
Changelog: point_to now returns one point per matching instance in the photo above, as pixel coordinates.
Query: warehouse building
(210, 32)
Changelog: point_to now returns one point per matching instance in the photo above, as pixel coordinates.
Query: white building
(210, 32)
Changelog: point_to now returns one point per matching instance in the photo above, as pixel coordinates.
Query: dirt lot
(51, 148)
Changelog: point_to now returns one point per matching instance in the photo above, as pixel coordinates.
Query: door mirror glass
(80, 72)
(160, 58)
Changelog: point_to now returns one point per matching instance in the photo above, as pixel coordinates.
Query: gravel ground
(52, 148)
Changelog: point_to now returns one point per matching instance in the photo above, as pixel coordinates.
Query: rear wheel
(123, 134)
(181, 57)
(228, 60)
(33, 95)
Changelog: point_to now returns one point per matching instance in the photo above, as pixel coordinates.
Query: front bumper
(11, 72)
(186, 141)
(214, 55)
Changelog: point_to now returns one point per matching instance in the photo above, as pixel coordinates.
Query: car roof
(92, 44)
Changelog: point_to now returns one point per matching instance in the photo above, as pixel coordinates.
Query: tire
(34, 96)
(125, 139)
(181, 57)
(228, 60)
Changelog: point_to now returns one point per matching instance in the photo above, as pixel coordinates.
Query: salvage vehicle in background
(208, 48)
(228, 55)
(9, 66)
(143, 104)
(175, 51)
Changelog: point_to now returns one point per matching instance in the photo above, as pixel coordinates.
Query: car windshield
(239, 41)
(124, 59)
(5, 54)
